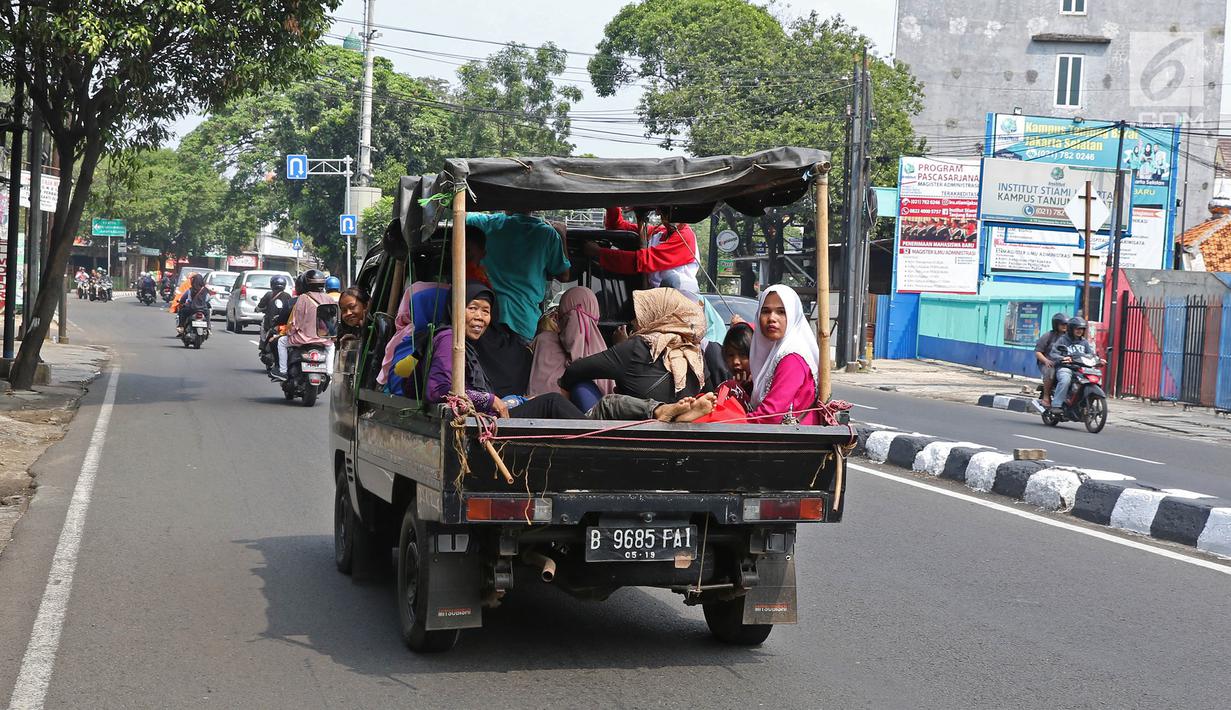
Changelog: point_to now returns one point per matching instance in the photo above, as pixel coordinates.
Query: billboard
(1149, 155)
(1036, 194)
(937, 247)
(1031, 250)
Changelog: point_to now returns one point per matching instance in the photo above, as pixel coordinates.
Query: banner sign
(244, 261)
(1146, 248)
(1019, 192)
(1022, 322)
(1020, 249)
(937, 248)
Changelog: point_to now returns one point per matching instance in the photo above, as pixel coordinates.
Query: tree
(726, 76)
(375, 218)
(318, 115)
(110, 74)
(172, 202)
(511, 105)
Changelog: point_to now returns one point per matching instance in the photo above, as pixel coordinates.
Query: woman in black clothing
(661, 362)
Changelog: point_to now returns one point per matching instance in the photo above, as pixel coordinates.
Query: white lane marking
(1086, 448)
(1162, 552)
(30, 691)
(254, 342)
(863, 406)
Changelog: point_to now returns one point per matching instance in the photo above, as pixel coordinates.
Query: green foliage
(514, 106)
(375, 218)
(112, 74)
(172, 202)
(725, 76)
(319, 116)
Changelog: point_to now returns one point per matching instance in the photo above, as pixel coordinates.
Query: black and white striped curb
(1101, 497)
(1012, 403)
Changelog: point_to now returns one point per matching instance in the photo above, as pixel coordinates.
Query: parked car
(741, 306)
(220, 284)
(246, 293)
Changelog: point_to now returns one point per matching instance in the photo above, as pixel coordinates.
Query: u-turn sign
(296, 167)
(348, 225)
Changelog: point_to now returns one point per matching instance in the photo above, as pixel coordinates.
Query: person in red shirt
(672, 248)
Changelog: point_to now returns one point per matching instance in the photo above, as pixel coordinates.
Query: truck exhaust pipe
(546, 565)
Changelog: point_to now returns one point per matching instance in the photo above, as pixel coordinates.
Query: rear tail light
(243, 291)
(767, 509)
(315, 355)
(535, 510)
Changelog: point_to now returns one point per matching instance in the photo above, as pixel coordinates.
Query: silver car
(219, 284)
(246, 293)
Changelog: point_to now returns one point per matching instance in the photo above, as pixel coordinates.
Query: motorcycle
(1087, 402)
(100, 289)
(196, 330)
(167, 293)
(146, 297)
(307, 373)
(82, 288)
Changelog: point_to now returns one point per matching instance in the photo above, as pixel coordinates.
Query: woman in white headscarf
(784, 361)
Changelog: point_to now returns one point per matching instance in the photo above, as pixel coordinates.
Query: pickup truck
(708, 511)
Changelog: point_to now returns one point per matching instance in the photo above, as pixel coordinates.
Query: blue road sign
(297, 245)
(348, 225)
(296, 167)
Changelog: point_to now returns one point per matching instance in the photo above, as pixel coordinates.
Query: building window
(1068, 80)
(1072, 7)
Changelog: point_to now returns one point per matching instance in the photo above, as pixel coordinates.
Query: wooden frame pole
(822, 282)
(457, 294)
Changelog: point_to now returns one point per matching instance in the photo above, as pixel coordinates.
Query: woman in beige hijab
(660, 363)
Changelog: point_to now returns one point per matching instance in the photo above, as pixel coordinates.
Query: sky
(576, 25)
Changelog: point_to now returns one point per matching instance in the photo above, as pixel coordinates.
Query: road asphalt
(205, 578)
(1162, 459)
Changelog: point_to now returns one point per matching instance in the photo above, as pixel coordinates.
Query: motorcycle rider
(146, 284)
(195, 299)
(83, 280)
(276, 305)
(303, 328)
(1068, 346)
(1047, 368)
(333, 287)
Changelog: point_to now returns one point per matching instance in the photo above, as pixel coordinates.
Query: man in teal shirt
(523, 251)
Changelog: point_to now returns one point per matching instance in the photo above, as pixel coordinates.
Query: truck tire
(726, 621)
(413, 574)
(344, 524)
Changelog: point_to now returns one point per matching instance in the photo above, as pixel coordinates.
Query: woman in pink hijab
(579, 337)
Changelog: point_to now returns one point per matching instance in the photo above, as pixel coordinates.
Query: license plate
(641, 543)
(200, 324)
(308, 367)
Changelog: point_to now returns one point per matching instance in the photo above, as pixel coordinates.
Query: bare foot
(700, 407)
(668, 412)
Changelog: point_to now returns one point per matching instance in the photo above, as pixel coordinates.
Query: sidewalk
(33, 420)
(932, 379)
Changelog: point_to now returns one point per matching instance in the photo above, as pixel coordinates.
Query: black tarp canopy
(692, 187)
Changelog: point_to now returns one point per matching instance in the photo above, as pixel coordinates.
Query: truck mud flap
(773, 600)
(453, 600)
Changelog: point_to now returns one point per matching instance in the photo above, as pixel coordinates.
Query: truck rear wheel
(726, 621)
(344, 525)
(414, 568)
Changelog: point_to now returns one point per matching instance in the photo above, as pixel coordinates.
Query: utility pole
(364, 178)
(860, 296)
(10, 275)
(851, 223)
(1113, 273)
(34, 215)
(1088, 197)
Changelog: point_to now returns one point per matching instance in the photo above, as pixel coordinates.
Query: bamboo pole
(822, 282)
(458, 293)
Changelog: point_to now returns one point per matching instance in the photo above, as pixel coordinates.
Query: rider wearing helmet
(333, 287)
(276, 305)
(1071, 344)
(304, 327)
(1047, 368)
